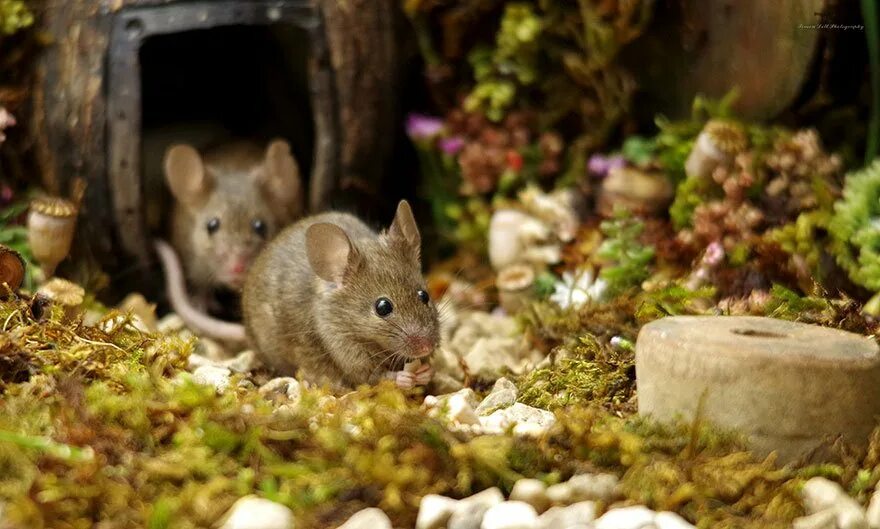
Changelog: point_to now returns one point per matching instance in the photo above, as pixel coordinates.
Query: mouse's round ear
(404, 229)
(330, 252)
(189, 182)
(281, 181)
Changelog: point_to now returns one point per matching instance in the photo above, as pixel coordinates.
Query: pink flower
(600, 164)
(714, 254)
(452, 145)
(423, 127)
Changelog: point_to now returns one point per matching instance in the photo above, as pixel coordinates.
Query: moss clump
(588, 373)
(854, 227)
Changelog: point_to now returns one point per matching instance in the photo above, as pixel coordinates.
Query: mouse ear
(186, 175)
(404, 229)
(281, 182)
(330, 252)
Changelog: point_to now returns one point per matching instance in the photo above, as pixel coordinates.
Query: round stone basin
(787, 386)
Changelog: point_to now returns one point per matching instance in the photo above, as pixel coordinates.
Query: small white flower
(575, 291)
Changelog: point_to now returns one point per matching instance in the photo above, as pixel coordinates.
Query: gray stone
(636, 517)
(371, 518)
(244, 362)
(786, 385)
(580, 513)
(434, 511)
(251, 512)
(531, 491)
(503, 395)
(510, 515)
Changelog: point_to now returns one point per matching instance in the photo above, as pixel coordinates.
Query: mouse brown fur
(312, 302)
(229, 201)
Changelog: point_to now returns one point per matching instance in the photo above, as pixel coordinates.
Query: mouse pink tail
(195, 319)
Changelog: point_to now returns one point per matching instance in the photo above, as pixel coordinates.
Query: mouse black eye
(213, 225)
(384, 307)
(259, 227)
(423, 297)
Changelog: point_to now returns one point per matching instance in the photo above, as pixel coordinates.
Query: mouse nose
(421, 346)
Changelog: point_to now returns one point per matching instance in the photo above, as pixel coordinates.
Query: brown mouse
(343, 304)
(229, 202)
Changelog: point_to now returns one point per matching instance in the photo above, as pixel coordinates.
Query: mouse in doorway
(229, 201)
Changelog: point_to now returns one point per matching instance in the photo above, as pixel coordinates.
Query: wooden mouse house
(322, 74)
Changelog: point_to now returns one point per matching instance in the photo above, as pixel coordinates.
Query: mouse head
(376, 294)
(235, 201)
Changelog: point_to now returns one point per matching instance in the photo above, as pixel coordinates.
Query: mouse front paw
(424, 374)
(403, 379)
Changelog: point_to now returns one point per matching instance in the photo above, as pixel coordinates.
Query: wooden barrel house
(321, 74)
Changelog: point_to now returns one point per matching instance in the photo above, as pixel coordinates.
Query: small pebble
(251, 512)
(468, 513)
(501, 396)
(637, 517)
(531, 491)
(670, 520)
(593, 487)
(559, 494)
(527, 420)
(434, 511)
(510, 515)
(820, 494)
(170, 323)
(581, 513)
(873, 512)
(287, 388)
(371, 518)
(213, 376)
(244, 362)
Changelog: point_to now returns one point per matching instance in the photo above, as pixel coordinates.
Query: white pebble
(213, 376)
(469, 511)
(593, 487)
(820, 494)
(251, 512)
(434, 511)
(820, 520)
(527, 420)
(637, 517)
(510, 515)
(873, 512)
(670, 520)
(559, 494)
(531, 491)
(371, 518)
(581, 513)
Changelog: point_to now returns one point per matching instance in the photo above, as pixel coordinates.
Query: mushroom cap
(54, 207)
(63, 292)
(515, 277)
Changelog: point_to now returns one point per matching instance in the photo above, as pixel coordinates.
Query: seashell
(515, 287)
(12, 268)
(51, 225)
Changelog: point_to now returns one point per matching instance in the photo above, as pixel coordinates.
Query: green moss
(626, 259)
(588, 373)
(856, 240)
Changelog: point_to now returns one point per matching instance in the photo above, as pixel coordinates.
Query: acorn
(51, 225)
(515, 285)
(718, 143)
(12, 268)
